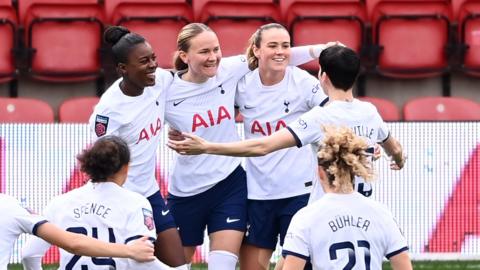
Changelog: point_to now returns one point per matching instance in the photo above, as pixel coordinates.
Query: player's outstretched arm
(394, 149)
(304, 54)
(141, 250)
(294, 263)
(194, 145)
(401, 261)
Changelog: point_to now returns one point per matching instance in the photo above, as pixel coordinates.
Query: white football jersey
(342, 231)
(103, 211)
(139, 121)
(266, 109)
(14, 221)
(362, 117)
(207, 110)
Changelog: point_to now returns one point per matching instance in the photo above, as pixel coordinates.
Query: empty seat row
(28, 110)
(78, 110)
(60, 40)
(428, 109)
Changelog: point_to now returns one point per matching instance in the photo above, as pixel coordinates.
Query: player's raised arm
(195, 145)
(305, 54)
(394, 149)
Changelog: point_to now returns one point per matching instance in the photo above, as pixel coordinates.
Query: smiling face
(273, 54)
(202, 57)
(139, 71)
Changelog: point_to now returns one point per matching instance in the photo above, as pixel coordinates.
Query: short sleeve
(36, 247)
(101, 124)
(395, 240)
(307, 128)
(383, 131)
(26, 221)
(311, 89)
(141, 222)
(296, 239)
(164, 79)
(237, 66)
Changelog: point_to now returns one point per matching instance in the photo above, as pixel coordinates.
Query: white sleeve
(141, 222)
(35, 248)
(25, 221)
(307, 128)
(296, 239)
(32, 253)
(236, 65)
(101, 124)
(383, 131)
(164, 79)
(300, 55)
(395, 240)
(311, 89)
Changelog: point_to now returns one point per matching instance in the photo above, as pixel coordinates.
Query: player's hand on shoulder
(191, 145)
(141, 250)
(175, 135)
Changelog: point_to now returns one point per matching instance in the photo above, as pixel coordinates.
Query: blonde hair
(256, 40)
(343, 156)
(188, 32)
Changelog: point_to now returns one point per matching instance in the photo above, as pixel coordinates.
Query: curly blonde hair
(343, 156)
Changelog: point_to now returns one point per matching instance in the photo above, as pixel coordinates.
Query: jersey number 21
(350, 247)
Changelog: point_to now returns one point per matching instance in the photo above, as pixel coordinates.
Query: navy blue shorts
(161, 214)
(269, 218)
(222, 207)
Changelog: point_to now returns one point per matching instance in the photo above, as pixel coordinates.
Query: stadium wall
(435, 198)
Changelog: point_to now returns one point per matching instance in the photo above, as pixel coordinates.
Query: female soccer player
(344, 230)
(101, 209)
(209, 191)
(133, 108)
(339, 69)
(16, 220)
(269, 97)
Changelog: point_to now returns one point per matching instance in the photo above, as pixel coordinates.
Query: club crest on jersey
(148, 219)
(101, 124)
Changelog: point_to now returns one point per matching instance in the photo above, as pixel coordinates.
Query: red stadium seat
(234, 21)
(320, 21)
(25, 110)
(64, 38)
(411, 37)
(77, 110)
(387, 109)
(468, 18)
(159, 21)
(441, 109)
(8, 28)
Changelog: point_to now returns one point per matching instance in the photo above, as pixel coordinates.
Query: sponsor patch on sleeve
(148, 219)
(101, 124)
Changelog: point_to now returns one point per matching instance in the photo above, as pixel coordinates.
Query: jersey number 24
(95, 261)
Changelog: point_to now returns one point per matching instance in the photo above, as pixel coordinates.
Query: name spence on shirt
(91, 209)
(340, 222)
